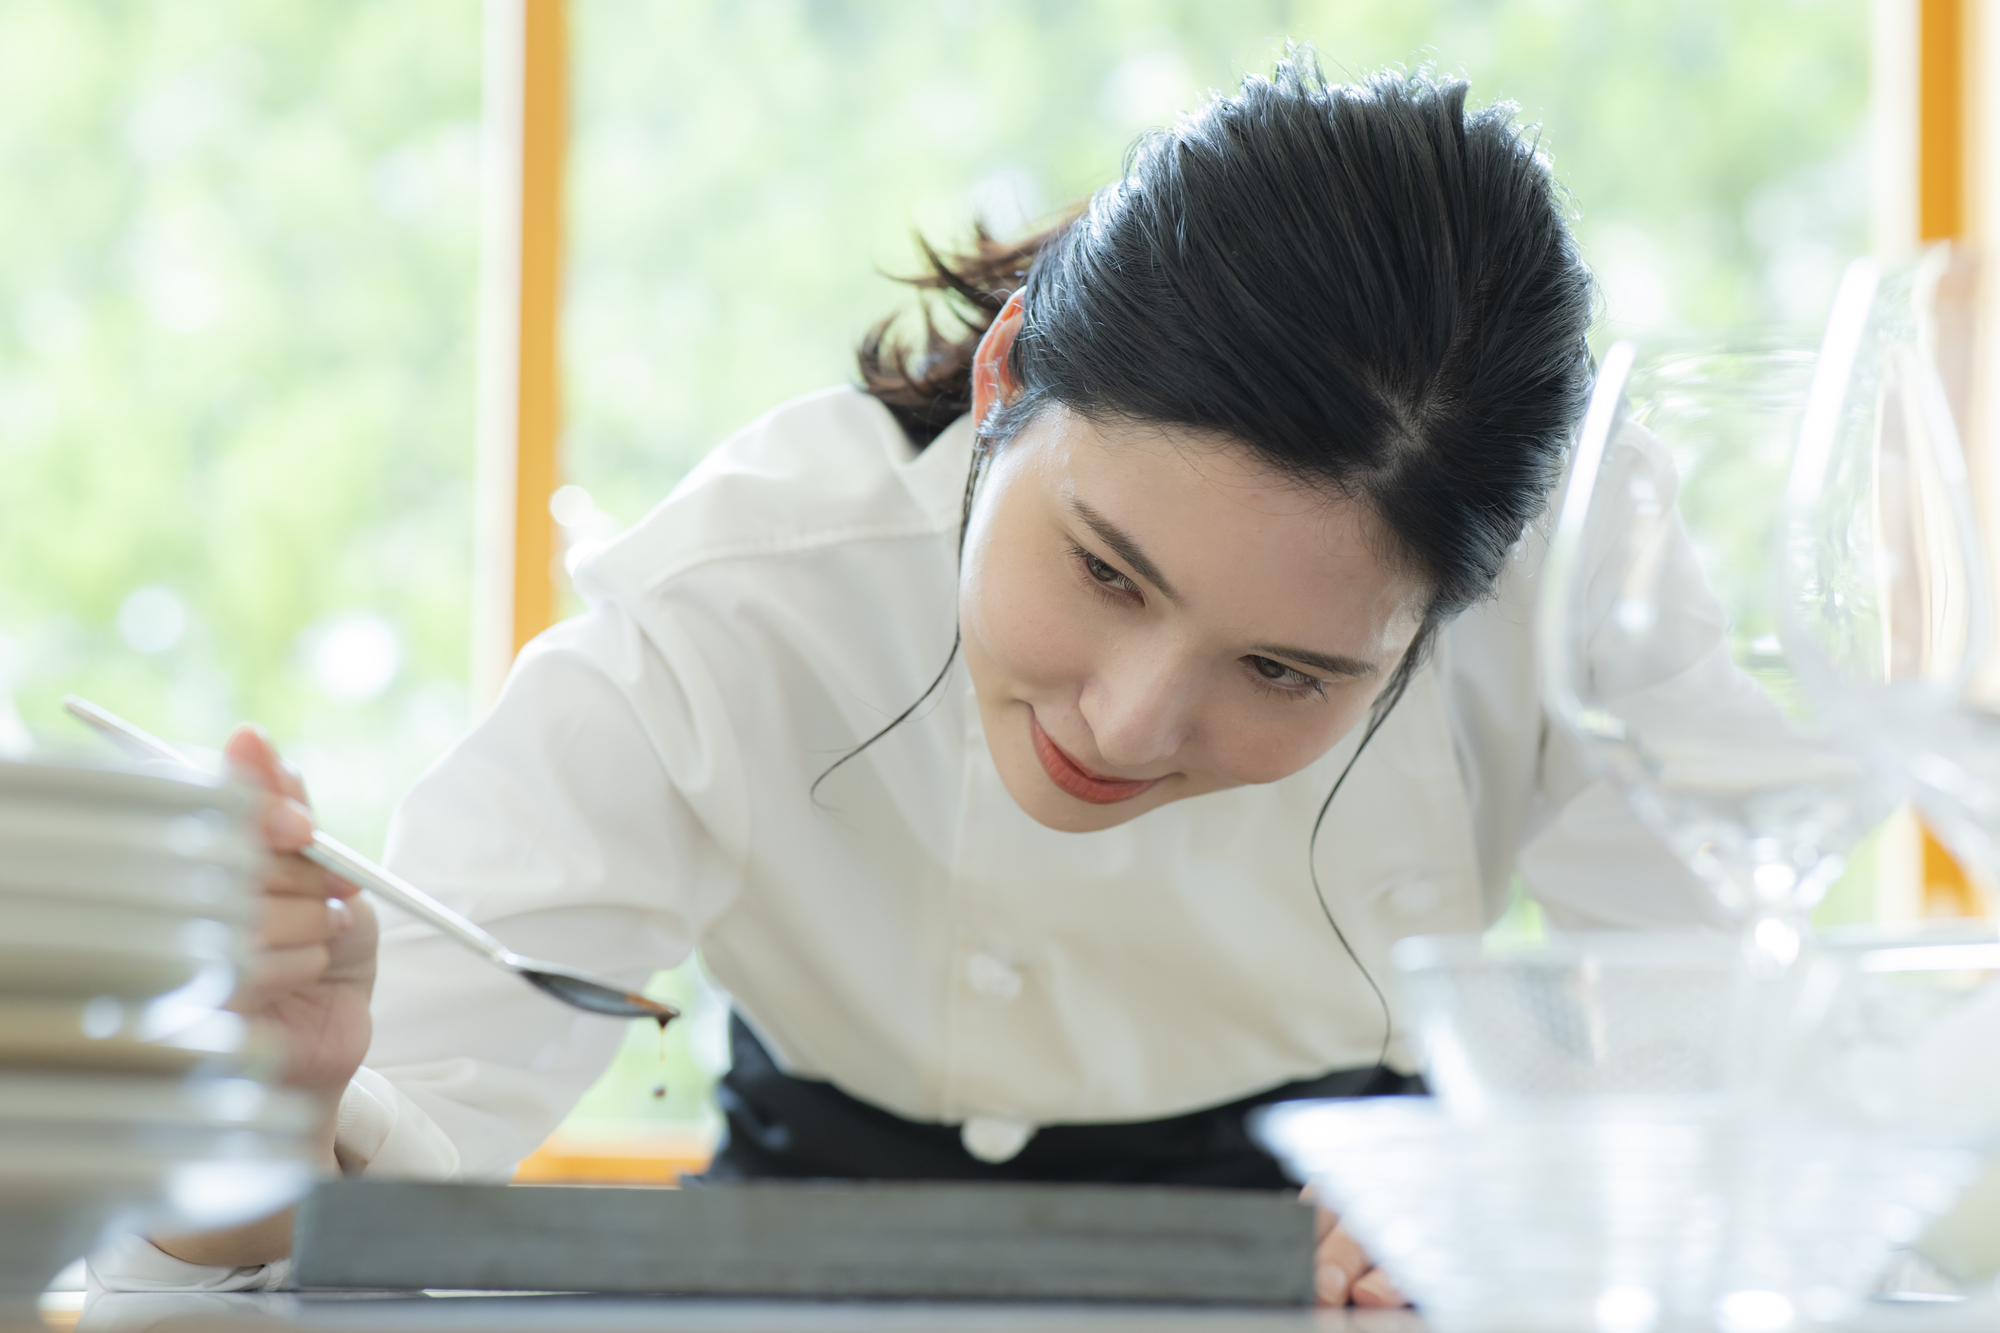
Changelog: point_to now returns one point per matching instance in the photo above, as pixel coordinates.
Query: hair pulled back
(1370, 287)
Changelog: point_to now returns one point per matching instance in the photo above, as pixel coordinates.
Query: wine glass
(1886, 607)
(1888, 617)
(1659, 632)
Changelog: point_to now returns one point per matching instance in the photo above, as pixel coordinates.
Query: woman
(1219, 523)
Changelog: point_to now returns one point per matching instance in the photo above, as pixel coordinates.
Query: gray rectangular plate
(813, 1239)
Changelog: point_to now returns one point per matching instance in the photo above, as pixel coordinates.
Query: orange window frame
(1947, 170)
(518, 547)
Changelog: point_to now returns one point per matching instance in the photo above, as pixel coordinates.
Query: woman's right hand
(314, 968)
(309, 981)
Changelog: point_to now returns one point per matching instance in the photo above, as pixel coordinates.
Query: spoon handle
(329, 853)
(325, 851)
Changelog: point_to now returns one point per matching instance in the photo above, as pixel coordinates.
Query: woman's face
(1149, 613)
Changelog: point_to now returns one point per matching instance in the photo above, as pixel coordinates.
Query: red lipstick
(1077, 780)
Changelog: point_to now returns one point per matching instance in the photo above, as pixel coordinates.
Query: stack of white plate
(128, 1094)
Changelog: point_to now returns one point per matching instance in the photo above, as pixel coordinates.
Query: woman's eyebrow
(1334, 664)
(1123, 547)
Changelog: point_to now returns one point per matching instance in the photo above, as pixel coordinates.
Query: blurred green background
(238, 253)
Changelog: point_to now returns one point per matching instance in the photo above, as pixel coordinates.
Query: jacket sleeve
(570, 823)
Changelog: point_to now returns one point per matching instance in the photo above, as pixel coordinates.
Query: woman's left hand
(1343, 1274)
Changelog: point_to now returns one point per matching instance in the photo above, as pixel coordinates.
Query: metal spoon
(565, 983)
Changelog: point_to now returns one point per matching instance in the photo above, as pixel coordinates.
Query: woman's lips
(1074, 778)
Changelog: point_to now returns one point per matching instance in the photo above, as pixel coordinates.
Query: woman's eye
(1292, 680)
(1100, 572)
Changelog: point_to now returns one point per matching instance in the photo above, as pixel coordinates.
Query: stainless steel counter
(517, 1313)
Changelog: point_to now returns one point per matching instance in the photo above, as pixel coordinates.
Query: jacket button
(992, 979)
(995, 1139)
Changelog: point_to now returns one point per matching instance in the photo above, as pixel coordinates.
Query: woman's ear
(992, 381)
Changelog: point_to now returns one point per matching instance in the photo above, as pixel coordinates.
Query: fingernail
(1330, 1282)
(1377, 1286)
(290, 823)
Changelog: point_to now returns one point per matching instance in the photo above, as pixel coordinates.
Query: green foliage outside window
(237, 249)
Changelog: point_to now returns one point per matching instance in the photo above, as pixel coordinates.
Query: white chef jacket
(644, 788)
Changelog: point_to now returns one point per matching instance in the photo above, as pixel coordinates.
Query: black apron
(778, 1125)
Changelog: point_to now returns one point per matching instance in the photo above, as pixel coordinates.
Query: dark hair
(1372, 289)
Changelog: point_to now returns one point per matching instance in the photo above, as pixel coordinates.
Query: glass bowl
(1585, 1014)
(1625, 1217)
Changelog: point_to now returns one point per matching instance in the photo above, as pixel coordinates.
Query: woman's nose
(1138, 708)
